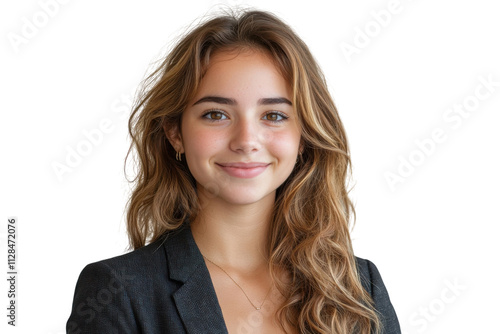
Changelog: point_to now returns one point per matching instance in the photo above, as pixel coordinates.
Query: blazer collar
(196, 299)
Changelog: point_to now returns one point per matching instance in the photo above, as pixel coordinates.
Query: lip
(244, 170)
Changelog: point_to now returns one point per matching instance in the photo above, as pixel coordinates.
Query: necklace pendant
(257, 308)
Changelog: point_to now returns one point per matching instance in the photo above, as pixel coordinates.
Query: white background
(438, 228)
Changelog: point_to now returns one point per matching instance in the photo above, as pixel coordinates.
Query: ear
(174, 137)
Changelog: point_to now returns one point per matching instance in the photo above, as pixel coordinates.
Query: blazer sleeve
(101, 303)
(373, 283)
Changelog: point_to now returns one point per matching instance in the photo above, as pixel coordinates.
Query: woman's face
(240, 134)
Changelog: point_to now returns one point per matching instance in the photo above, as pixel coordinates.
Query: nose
(246, 137)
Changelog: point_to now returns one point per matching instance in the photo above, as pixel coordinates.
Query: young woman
(239, 216)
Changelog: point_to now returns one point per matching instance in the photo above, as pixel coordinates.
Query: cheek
(284, 145)
(201, 143)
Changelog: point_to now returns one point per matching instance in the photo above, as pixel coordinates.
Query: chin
(244, 196)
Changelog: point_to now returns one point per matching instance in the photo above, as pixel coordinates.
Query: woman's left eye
(275, 117)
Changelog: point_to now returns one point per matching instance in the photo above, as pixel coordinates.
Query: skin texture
(239, 149)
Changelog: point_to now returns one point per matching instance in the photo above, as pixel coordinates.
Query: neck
(234, 236)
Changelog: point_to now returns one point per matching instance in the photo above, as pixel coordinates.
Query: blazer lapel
(196, 299)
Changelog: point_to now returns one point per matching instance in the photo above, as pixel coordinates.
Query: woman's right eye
(215, 115)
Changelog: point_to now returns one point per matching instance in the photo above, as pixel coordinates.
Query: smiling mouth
(243, 170)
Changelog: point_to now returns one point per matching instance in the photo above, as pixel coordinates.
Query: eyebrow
(232, 102)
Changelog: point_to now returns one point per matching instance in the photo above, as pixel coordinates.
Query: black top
(165, 287)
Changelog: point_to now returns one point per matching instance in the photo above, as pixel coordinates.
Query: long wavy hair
(309, 233)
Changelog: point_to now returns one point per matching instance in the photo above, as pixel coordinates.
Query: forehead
(243, 71)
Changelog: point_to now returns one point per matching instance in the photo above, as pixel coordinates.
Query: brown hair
(309, 234)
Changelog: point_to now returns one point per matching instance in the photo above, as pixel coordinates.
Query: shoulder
(372, 282)
(125, 268)
(118, 295)
(370, 277)
(139, 260)
(149, 259)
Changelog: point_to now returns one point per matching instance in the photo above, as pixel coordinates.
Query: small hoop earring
(178, 156)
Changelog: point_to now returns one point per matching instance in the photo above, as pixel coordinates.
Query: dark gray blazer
(165, 287)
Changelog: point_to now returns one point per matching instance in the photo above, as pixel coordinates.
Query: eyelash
(283, 116)
(213, 111)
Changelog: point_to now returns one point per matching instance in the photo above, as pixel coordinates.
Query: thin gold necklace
(225, 272)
